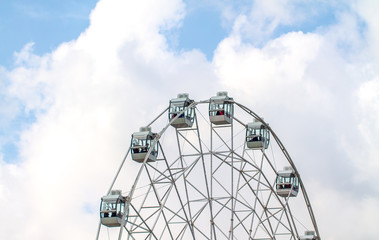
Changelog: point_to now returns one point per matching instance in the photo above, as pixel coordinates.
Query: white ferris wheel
(212, 169)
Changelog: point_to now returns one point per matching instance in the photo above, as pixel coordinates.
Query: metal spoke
(208, 181)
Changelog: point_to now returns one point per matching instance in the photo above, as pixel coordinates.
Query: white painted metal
(177, 105)
(257, 136)
(221, 109)
(287, 183)
(212, 185)
(308, 235)
(112, 209)
(141, 144)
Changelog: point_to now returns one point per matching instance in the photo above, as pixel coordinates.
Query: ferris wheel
(215, 170)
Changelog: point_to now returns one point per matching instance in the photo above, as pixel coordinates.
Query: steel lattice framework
(206, 184)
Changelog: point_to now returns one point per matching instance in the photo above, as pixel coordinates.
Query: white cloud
(265, 16)
(316, 90)
(367, 11)
(90, 94)
(349, 218)
(12, 190)
(368, 97)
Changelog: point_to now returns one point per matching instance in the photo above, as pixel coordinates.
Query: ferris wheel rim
(164, 129)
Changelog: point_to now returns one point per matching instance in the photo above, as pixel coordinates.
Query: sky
(77, 78)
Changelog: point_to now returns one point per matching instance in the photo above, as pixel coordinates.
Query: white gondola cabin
(308, 235)
(257, 135)
(141, 143)
(177, 105)
(221, 109)
(287, 183)
(112, 209)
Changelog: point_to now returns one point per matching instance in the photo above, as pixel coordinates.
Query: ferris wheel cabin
(179, 106)
(287, 184)
(309, 235)
(221, 109)
(257, 135)
(112, 209)
(141, 143)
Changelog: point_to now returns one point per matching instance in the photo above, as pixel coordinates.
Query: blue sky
(50, 23)
(47, 23)
(202, 29)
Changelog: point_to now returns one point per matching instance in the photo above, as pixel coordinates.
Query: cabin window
(143, 146)
(216, 109)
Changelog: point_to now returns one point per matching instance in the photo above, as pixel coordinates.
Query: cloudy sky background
(77, 79)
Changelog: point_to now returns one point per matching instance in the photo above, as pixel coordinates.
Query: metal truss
(206, 184)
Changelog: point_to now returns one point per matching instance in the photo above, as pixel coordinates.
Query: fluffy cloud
(88, 96)
(318, 90)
